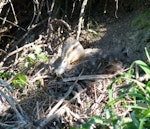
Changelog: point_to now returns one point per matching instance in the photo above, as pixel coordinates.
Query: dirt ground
(118, 35)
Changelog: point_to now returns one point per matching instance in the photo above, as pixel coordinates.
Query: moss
(143, 20)
(141, 35)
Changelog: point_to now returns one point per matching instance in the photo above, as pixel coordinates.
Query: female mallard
(72, 51)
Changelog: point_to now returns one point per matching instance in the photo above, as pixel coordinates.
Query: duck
(74, 59)
(71, 52)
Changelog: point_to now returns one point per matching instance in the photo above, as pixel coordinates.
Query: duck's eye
(74, 47)
(64, 61)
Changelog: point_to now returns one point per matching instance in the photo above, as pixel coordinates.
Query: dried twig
(72, 99)
(126, 86)
(52, 7)
(5, 126)
(13, 103)
(81, 18)
(10, 101)
(43, 123)
(66, 95)
(27, 33)
(13, 24)
(40, 77)
(98, 101)
(9, 87)
(6, 15)
(18, 50)
(2, 51)
(145, 77)
(60, 21)
(136, 71)
(105, 6)
(12, 7)
(39, 8)
(50, 27)
(72, 113)
(73, 8)
(51, 113)
(116, 8)
(34, 14)
(91, 77)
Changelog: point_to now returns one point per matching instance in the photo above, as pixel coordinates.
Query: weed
(138, 116)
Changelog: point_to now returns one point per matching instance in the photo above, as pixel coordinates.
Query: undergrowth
(27, 62)
(29, 70)
(134, 96)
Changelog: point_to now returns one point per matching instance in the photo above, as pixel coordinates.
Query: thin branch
(27, 33)
(51, 9)
(73, 8)
(43, 123)
(105, 6)
(71, 100)
(12, 7)
(9, 87)
(51, 113)
(91, 77)
(6, 126)
(40, 77)
(60, 21)
(39, 8)
(34, 14)
(81, 18)
(13, 24)
(9, 100)
(6, 16)
(50, 28)
(18, 50)
(116, 8)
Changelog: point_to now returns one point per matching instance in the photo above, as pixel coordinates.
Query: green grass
(142, 20)
(139, 105)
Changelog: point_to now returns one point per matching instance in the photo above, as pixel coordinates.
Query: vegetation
(134, 97)
(141, 22)
(33, 97)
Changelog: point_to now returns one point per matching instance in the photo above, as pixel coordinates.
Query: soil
(117, 36)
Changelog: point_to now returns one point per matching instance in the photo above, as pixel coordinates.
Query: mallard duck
(72, 51)
(92, 60)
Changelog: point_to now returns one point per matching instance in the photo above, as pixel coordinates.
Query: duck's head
(72, 51)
